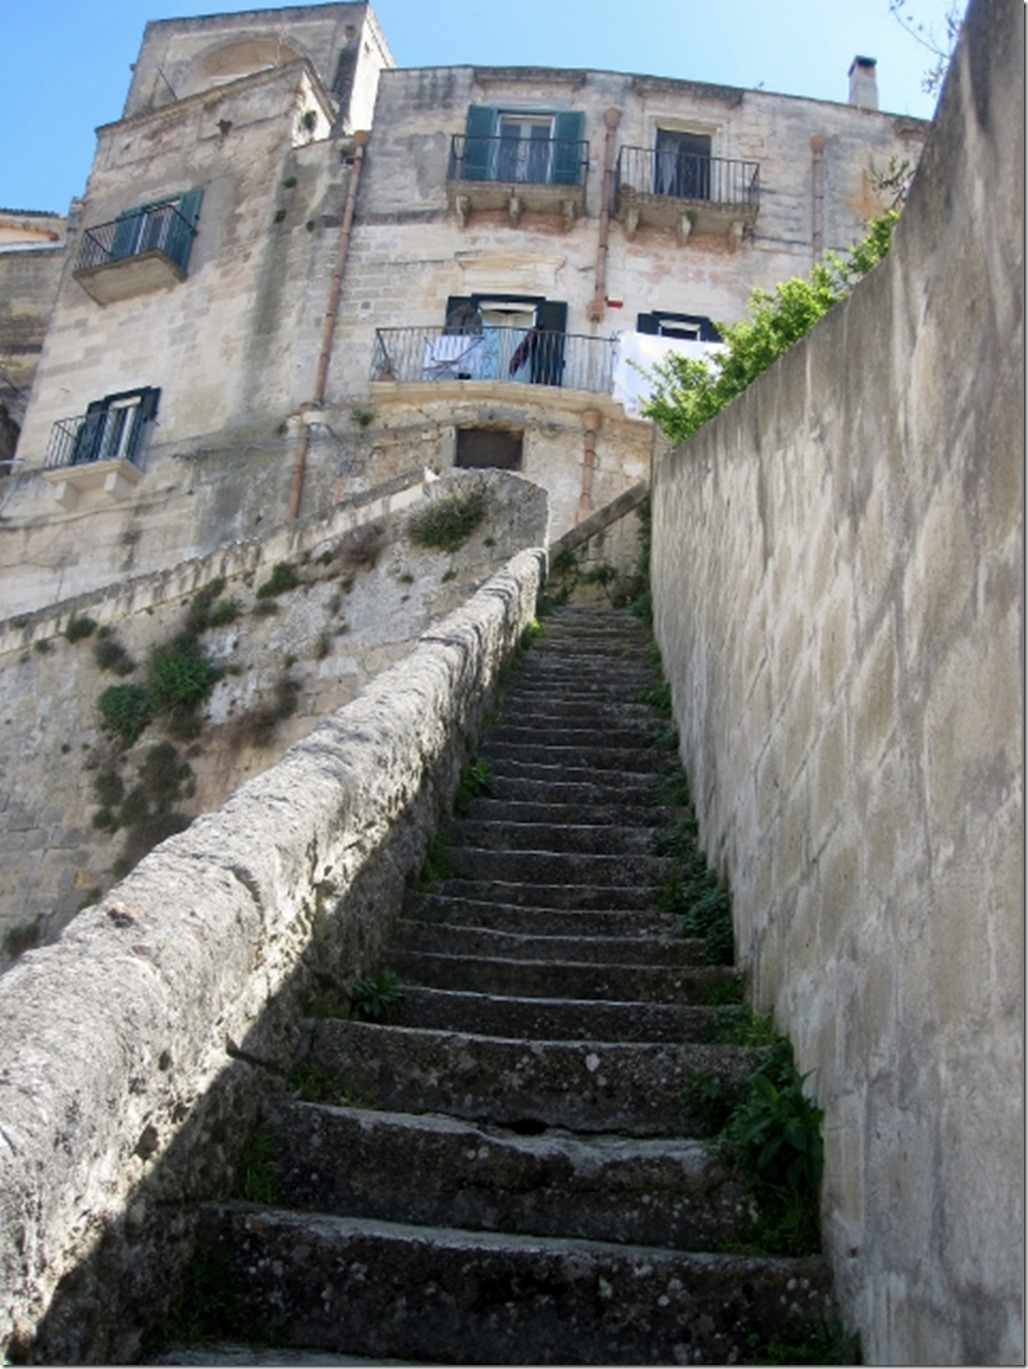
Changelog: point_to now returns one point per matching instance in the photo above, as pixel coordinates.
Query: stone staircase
(511, 1179)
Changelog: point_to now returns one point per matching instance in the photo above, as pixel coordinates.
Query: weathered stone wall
(235, 338)
(135, 1049)
(216, 103)
(410, 254)
(364, 595)
(838, 574)
(181, 57)
(29, 277)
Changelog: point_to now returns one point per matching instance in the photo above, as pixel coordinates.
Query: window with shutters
(534, 160)
(111, 429)
(690, 327)
(145, 248)
(102, 448)
(506, 337)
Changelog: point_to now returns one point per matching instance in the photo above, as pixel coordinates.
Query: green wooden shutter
(548, 357)
(478, 142)
(568, 154)
(90, 431)
(180, 237)
(126, 233)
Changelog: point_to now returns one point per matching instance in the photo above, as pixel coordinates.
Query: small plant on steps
(376, 999)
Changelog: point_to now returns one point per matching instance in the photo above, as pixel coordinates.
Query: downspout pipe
(817, 153)
(611, 117)
(328, 330)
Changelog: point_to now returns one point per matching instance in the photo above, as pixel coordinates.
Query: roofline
(579, 76)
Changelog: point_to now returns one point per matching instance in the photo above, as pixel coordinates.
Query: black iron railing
(533, 356)
(92, 437)
(688, 176)
(160, 228)
(515, 160)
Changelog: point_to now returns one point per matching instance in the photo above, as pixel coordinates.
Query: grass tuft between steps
(770, 1133)
(800, 1342)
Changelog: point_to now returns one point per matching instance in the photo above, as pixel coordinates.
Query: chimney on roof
(863, 83)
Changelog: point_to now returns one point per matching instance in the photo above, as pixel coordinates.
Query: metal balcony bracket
(631, 222)
(462, 208)
(736, 232)
(684, 228)
(514, 208)
(570, 214)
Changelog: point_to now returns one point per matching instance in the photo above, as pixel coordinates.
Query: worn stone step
(507, 834)
(569, 621)
(557, 867)
(240, 1352)
(550, 1019)
(594, 756)
(569, 679)
(431, 1293)
(579, 814)
(433, 1170)
(611, 736)
(552, 979)
(548, 710)
(579, 948)
(639, 1088)
(510, 917)
(530, 894)
(612, 645)
(518, 779)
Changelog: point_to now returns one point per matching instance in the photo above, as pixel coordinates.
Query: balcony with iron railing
(514, 356)
(144, 250)
(516, 174)
(96, 451)
(687, 193)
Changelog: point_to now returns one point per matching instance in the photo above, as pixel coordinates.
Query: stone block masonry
(134, 1049)
(838, 575)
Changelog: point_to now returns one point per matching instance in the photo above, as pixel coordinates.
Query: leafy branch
(689, 392)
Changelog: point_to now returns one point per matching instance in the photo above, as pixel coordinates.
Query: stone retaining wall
(838, 573)
(134, 1050)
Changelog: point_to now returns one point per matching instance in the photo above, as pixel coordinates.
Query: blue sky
(67, 62)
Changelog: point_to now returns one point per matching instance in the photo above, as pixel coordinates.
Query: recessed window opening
(118, 428)
(492, 448)
(691, 327)
(525, 147)
(682, 164)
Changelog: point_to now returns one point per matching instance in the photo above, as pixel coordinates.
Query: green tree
(688, 392)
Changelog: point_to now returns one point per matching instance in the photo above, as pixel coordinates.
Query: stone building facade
(32, 252)
(262, 314)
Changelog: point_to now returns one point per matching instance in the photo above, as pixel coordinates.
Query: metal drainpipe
(611, 117)
(328, 332)
(817, 149)
(592, 422)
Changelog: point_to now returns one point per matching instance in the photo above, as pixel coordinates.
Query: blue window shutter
(126, 233)
(87, 438)
(180, 238)
(478, 142)
(647, 323)
(551, 320)
(568, 154)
